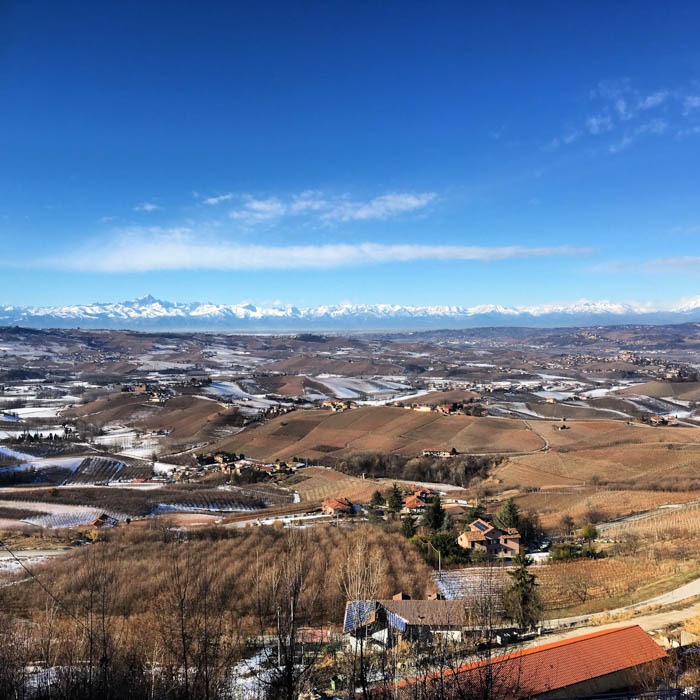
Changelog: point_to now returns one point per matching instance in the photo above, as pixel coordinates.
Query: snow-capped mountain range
(148, 313)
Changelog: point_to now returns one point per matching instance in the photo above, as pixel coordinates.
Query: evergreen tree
(394, 501)
(522, 600)
(434, 515)
(474, 513)
(377, 499)
(530, 528)
(408, 526)
(448, 523)
(509, 515)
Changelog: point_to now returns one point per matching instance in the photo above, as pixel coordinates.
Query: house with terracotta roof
(413, 504)
(494, 542)
(337, 506)
(609, 660)
(423, 492)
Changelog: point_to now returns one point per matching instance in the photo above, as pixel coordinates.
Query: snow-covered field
(126, 441)
(398, 397)
(247, 402)
(353, 388)
(47, 411)
(232, 356)
(556, 395)
(45, 432)
(210, 508)
(601, 392)
(9, 563)
(56, 515)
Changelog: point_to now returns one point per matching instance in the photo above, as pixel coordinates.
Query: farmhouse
(664, 420)
(337, 506)
(492, 541)
(436, 453)
(387, 622)
(418, 499)
(413, 504)
(591, 664)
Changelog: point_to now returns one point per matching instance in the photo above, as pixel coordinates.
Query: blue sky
(323, 152)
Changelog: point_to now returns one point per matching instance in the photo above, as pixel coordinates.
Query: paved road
(603, 527)
(650, 623)
(654, 620)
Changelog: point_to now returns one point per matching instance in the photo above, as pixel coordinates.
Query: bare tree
(285, 601)
(361, 574)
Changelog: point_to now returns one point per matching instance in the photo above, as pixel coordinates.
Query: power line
(35, 578)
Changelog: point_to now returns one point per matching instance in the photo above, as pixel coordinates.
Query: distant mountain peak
(149, 313)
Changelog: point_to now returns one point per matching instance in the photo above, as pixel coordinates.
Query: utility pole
(439, 559)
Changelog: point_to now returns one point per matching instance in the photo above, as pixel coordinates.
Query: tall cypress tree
(522, 600)
(394, 501)
(408, 526)
(434, 515)
(509, 515)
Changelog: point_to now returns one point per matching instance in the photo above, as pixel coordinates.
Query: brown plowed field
(318, 433)
(313, 484)
(614, 453)
(580, 503)
(190, 418)
(437, 398)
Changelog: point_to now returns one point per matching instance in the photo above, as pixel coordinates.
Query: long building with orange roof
(600, 662)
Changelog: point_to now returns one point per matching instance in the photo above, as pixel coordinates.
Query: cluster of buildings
(593, 664)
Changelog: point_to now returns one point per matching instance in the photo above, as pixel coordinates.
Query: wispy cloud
(682, 262)
(655, 126)
(625, 113)
(678, 263)
(691, 228)
(690, 103)
(599, 124)
(147, 207)
(383, 207)
(329, 208)
(218, 199)
(148, 249)
(256, 211)
(653, 100)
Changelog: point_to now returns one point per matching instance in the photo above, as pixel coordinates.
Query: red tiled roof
(557, 665)
(412, 502)
(340, 503)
